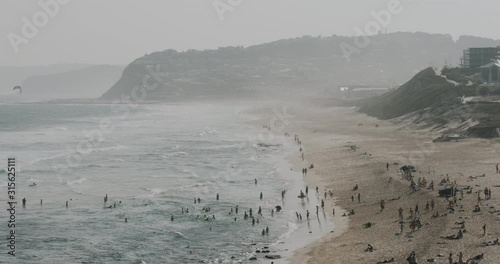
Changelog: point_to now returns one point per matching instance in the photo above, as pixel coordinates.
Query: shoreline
(289, 167)
(326, 134)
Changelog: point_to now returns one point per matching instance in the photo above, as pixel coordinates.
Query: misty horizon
(97, 37)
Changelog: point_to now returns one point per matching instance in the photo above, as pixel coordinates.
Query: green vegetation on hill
(295, 66)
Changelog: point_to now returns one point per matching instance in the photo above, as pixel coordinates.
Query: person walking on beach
(217, 197)
(497, 168)
(333, 211)
(322, 204)
(484, 230)
(24, 202)
(307, 190)
(307, 211)
(261, 195)
(352, 198)
(359, 197)
(450, 258)
(412, 259)
(382, 205)
(317, 210)
(387, 166)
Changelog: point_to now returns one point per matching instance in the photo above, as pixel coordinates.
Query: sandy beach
(327, 134)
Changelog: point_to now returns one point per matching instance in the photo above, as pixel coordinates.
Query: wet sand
(326, 134)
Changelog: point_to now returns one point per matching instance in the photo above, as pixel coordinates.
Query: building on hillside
(491, 72)
(477, 57)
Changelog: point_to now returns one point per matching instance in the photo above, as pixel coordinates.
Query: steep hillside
(291, 66)
(429, 101)
(90, 82)
(12, 76)
(424, 90)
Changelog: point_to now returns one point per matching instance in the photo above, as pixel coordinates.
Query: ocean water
(151, 161)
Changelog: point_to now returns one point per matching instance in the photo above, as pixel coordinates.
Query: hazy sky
(118, 31)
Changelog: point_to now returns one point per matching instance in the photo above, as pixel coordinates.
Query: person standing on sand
(261, 195)
(333, 211)
(352, 198)
(382, 205)
(387, 166)
(412, 259)
(484, 230)
(317, 210)
(497, 168)
(460, 258)
(450, 258)
(359, 197)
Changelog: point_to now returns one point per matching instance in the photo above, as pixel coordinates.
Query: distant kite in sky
(17, 87)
